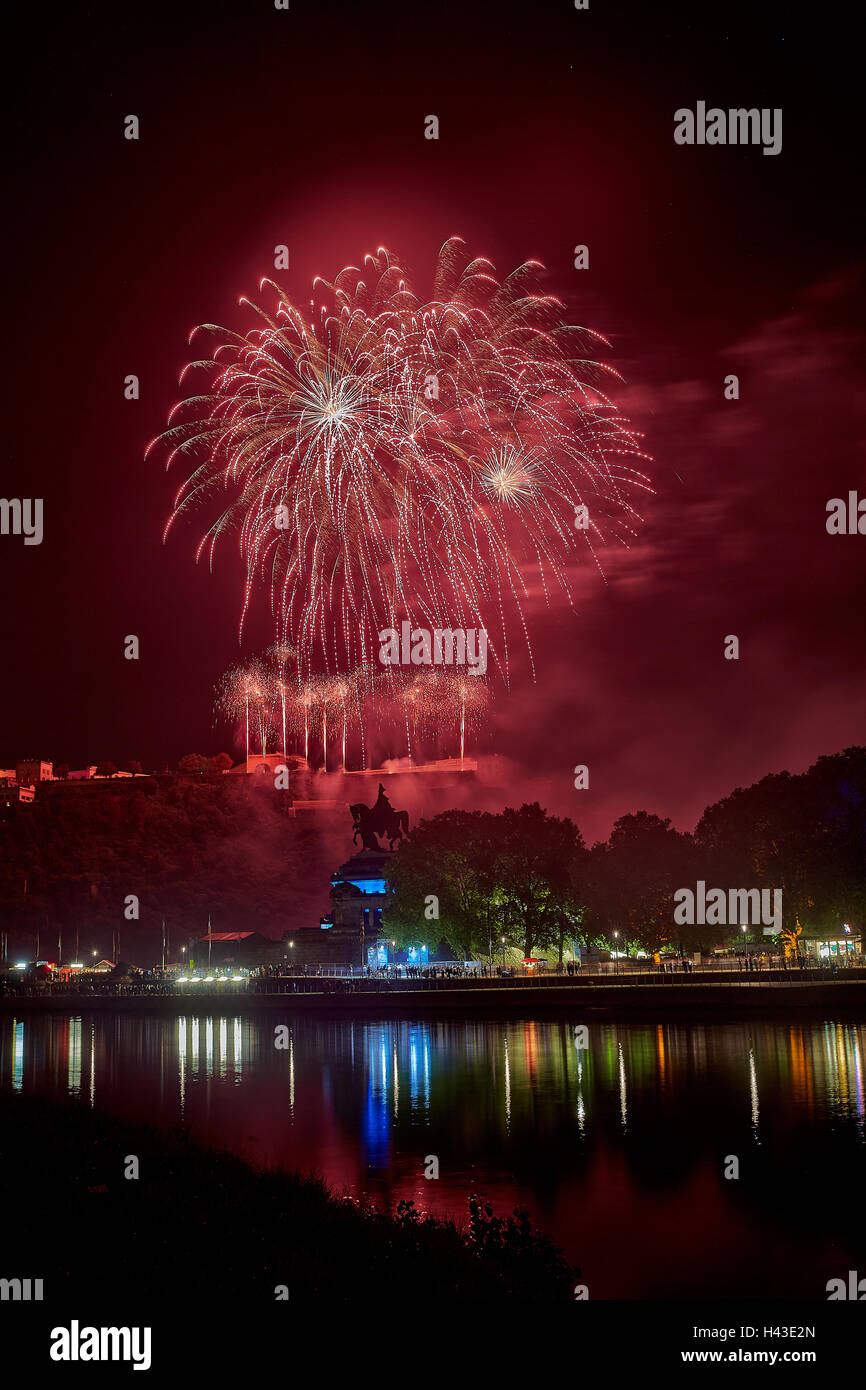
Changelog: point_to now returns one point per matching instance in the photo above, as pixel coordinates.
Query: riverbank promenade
(705, 988)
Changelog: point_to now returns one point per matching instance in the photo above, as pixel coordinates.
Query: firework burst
(383, 457)
(508, 474)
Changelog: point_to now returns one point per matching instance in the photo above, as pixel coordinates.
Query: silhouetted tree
(441, 882)
(535, 859)
(804, 833)
(631, 881)
(193, 763)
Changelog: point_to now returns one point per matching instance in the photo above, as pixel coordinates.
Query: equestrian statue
(379, 819)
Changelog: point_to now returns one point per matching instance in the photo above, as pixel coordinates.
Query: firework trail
(330, 695)
(418, 703)
(426, 702)
(280, 656)
(345, 695)
(248, 692)
(329, 706)
(303, 708)
(450, 696)
(382, 458)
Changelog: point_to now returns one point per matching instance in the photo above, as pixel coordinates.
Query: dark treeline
(529, 877)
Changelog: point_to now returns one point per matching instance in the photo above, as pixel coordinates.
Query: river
(619, 1149)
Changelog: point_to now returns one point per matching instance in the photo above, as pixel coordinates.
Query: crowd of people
(381, 972)
(283, 978)
(433, 972)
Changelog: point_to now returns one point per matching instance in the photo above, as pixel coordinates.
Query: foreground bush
(198, 1226)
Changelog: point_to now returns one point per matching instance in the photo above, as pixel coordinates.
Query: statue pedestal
(359, 892)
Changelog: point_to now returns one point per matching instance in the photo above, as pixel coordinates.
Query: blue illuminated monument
(360, 887)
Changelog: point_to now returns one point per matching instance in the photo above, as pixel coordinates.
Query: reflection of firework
(386, 458)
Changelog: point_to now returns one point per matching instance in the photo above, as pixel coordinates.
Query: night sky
(261, 127)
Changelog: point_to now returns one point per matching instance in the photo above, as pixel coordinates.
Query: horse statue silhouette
(379, 819)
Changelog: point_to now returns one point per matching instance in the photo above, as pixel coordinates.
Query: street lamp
(503, 953)
(616, 955)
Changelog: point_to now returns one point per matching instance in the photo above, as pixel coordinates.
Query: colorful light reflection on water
(618, 1150)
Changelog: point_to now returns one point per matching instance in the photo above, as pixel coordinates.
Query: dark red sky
(306, 127)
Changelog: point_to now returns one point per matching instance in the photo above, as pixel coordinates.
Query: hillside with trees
(186, 847)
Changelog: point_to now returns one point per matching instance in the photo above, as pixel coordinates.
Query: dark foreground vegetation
(199, 1227)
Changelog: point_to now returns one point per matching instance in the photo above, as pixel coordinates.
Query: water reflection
(622, 1141)
(17, 1055)
(73, 1052)
(753, 1092)
(529, 1064)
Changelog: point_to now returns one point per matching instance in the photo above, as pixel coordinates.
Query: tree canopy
(527, 876)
